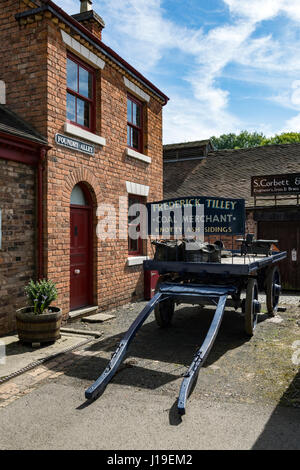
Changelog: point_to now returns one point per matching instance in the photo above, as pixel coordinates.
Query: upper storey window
(80, 94)
(134, 124)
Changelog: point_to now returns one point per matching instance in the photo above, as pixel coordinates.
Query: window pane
(129, 137)
(132, 245)
(83, 112)
(135, 138)
(77, 196)
(129, 110)
(131, 202)
(71, 107)
(134, 112)
(138, 116)
(85, 83)
(72, 70)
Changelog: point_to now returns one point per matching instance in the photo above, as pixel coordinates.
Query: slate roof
(187, 150)
(11, 123)
(196, 143)
(227, 173)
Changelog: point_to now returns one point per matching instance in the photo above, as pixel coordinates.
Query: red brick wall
(93, 27)
(105, 174)
(23, 64)
(17, 255)
(34, 69)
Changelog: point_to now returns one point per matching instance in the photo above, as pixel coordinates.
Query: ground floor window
(135, 247)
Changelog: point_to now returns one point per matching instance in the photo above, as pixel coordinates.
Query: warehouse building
(272, 213)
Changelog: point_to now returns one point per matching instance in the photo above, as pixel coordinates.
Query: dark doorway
(288, 235)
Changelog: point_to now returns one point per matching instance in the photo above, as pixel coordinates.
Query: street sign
(74, 144)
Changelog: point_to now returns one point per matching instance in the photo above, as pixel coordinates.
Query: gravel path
(236, 404)
(238, 368)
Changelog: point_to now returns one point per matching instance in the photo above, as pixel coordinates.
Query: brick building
(227, 173)
(22, 150)
(102, 127)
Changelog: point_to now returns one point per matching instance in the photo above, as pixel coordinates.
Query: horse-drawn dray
(205, 274)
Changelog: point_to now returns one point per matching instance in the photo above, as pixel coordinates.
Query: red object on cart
(150, 281)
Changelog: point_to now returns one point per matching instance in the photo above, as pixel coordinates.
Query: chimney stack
(89, 18)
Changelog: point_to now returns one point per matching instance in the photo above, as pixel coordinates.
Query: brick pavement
(24, 384)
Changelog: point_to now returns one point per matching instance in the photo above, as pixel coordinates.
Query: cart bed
(235, 265)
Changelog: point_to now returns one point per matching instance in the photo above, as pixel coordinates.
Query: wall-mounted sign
(275, 184)
(188, 215)
(74, 144)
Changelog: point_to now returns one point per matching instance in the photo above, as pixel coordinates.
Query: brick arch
(82, 175)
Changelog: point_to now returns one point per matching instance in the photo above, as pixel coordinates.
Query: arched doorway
(81, 262)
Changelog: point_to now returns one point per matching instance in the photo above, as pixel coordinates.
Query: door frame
(89, 208)
(287, 262)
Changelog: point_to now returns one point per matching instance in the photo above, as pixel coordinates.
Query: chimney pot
(86, 5)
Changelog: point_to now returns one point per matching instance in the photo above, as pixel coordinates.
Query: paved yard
(247, 395)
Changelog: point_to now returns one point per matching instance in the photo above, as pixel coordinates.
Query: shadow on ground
(159, 356)
(17, 347)
(284, 423)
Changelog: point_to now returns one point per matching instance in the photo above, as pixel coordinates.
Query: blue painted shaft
(97, 388)
(201, 355)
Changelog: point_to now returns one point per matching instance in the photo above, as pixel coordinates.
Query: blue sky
(226, 65)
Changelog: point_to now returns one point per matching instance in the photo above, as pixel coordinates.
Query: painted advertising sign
(189, 215)
(275, 184)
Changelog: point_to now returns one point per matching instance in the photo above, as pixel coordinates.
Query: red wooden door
(80, 262)
(288, 235)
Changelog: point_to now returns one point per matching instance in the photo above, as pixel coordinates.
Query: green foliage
(40, 294)
(247, 139)
(285, 138)
(244, 139)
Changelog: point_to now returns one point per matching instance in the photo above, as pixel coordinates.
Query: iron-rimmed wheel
(273, 289)
(252, 306)
(164, 310)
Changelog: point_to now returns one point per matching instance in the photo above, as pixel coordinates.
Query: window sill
(78, 132)
(139, 156)
(136, 260)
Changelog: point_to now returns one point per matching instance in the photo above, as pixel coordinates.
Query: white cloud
(291, 125)
(258, 10)
(185, 120)
(255, 10)
(142, 32)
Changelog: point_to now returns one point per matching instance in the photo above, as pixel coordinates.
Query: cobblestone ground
(238, 368)
(287, 298)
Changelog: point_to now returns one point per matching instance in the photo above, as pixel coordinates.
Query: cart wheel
(252, 306)
(164, 311)
(273, 289)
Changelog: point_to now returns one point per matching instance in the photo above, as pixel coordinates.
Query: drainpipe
(43, 152)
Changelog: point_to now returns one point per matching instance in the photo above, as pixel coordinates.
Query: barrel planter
(43, 328)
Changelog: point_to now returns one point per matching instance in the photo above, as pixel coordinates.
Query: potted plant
(39, 322)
